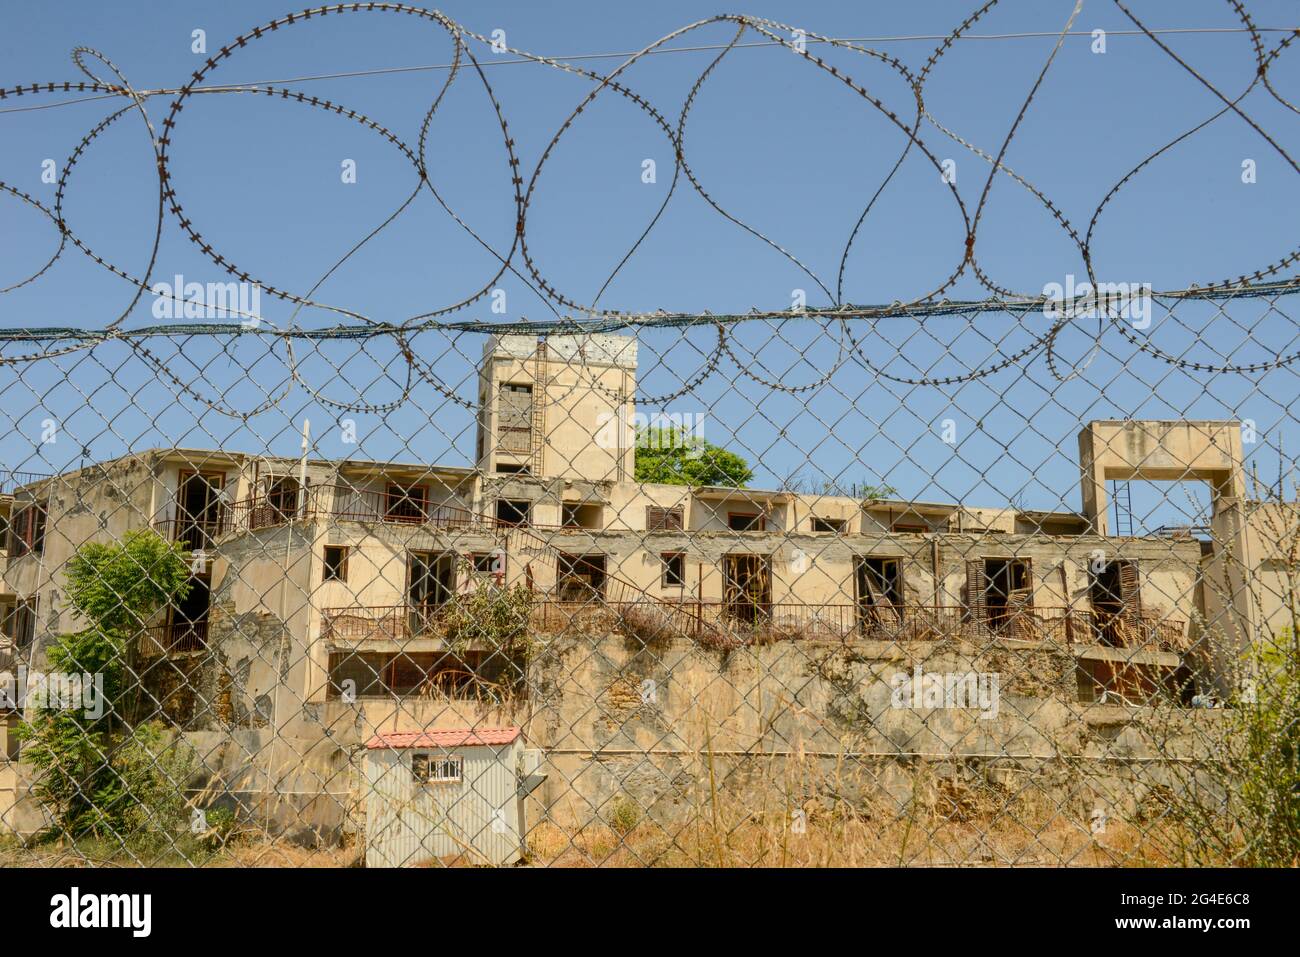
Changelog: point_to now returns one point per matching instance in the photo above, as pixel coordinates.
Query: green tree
(96, 773)
(670, 457)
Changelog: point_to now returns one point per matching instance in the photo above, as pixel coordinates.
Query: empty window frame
(997, 589)
(357, 674)
(579, 515)
(746, 522)
(513, 511)
(1116, 595)
(336, 563)
(436, 768)
(489, 563)
(880, 581)
(406, 503)
(673, 574)
(187, 619)
(837, 525)
(199, 504)
(27, 530)
(747, 586)
(912, 528)
(282, 494)
(430, 582)
(513, 468)
(580, 577)
(659, 519)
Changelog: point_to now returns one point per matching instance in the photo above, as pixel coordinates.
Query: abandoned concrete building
(319, 587)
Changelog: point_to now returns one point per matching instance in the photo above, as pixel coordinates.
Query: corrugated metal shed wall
(409, 823)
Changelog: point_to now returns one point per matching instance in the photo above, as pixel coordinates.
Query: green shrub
(96, 773)
(493, 619)
(1269, 728)
(624, 816)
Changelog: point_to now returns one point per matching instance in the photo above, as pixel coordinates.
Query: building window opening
(513, 512)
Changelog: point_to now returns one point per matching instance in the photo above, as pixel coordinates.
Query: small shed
(443, 793)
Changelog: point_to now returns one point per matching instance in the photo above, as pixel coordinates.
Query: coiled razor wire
(570, 315)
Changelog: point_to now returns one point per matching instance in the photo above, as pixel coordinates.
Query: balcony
(196, 534)
(11, 481)
(177, 637)
(345, 503)
(759, 623)
(348, 504)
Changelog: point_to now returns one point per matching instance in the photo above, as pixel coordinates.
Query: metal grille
(968, 575)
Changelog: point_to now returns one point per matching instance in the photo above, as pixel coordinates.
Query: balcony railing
(368, 505)
(196, 534)
(774, 621)
(345, 503)
(174, 638)
(11, 480)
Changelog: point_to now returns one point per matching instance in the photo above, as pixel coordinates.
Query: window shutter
(1022, 598)
(977, 586)
(663, 519)
(38, 529)
(16, 534)
(1130, 592)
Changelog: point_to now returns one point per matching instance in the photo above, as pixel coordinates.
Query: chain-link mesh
(1003, 579)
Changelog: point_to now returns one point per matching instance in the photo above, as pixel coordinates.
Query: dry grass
(774, 841)
(246, 852)
(826, 839)
(949, 817)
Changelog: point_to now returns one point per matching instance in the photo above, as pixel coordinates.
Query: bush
(624, 816)
(494, 619)
(1241, 805)
(1269, 728)
(98, 775)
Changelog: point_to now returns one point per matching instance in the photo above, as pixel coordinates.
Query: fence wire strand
(507, 607)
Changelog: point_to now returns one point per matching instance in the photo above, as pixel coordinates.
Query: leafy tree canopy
(121, 585)
(673, 458)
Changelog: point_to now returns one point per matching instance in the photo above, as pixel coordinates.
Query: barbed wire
(570, 315)
(544, 580)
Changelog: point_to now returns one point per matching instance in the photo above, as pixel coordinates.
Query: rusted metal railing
(774, 621)
(174, 638)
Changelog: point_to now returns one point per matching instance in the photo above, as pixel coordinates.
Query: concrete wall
(590, 381)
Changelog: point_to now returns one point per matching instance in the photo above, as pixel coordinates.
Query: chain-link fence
(1004, 579)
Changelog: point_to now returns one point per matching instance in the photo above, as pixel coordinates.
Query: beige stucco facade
(311, 566)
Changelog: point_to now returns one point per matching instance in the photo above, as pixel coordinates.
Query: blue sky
(778, 144)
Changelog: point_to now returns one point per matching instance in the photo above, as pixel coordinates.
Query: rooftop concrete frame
(1161, 451)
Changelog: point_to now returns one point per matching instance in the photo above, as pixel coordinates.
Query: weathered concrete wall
(97, 503)
(651, 726)
(661, 726)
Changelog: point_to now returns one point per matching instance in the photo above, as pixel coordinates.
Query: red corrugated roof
(444, 738)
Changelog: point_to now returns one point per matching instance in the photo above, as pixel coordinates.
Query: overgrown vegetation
(624, 815)
(98, 772)
(494, 619)
(1271, 727)
(672, 457)
(1241, 803)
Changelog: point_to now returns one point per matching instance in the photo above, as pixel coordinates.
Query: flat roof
(726, 491)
